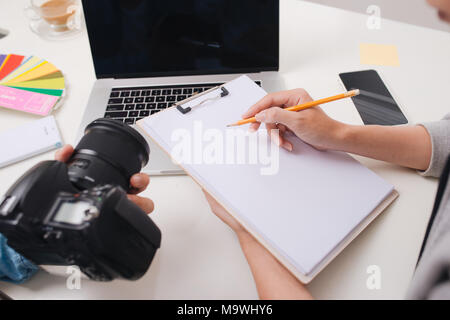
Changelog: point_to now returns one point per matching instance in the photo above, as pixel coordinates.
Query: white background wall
(410, 11)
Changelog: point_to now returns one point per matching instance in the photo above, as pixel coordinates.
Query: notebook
(32, 138)
(304, 206)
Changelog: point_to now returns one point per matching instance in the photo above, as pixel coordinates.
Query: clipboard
(303, 234)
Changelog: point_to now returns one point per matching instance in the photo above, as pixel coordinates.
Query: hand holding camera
(76, 211)
(138, 182)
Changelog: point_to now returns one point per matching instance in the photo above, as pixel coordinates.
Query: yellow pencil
(304, 106)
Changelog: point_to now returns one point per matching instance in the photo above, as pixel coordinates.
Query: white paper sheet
(304, 210)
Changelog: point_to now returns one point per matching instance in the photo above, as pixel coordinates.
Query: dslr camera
(79, 214)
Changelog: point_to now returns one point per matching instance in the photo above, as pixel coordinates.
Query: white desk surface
(200, 257)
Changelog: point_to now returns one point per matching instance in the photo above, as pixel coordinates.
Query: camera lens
(110, 152)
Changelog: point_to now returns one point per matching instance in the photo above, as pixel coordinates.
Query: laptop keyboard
(132, 104)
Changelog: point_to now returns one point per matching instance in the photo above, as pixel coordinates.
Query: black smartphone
(375, 103)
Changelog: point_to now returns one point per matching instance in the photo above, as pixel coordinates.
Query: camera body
(74, 214)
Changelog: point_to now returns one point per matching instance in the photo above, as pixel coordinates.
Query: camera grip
(139, 220)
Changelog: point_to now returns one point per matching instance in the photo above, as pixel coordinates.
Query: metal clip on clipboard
(224, 92)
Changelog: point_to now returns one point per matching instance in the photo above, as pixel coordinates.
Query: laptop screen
(141, 38)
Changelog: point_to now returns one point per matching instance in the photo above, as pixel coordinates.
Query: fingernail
(261, 117)
(287, 146)
(137, 179)
(251, 130)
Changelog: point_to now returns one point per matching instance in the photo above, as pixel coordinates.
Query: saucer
(44, 30)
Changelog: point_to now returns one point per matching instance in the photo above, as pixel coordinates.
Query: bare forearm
(273, 281)
(408, 146)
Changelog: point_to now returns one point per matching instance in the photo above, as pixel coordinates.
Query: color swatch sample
(29, 84)
(27, 101)
(379, 54)
(2, 58)
(28, 64)
(10, 63)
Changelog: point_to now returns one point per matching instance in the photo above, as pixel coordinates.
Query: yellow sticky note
(379, 54)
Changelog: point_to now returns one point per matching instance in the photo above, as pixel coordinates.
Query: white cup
(60, 15)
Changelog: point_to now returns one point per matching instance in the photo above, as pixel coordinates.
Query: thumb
(276, 115)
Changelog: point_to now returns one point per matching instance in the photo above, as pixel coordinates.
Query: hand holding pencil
(311, 125)
(304, 106)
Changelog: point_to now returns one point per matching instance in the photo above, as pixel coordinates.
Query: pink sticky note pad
(26, 101)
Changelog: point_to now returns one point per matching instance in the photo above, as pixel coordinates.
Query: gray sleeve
(440, 140)
(430, 279)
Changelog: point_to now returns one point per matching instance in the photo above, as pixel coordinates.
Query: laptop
(149, 54)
